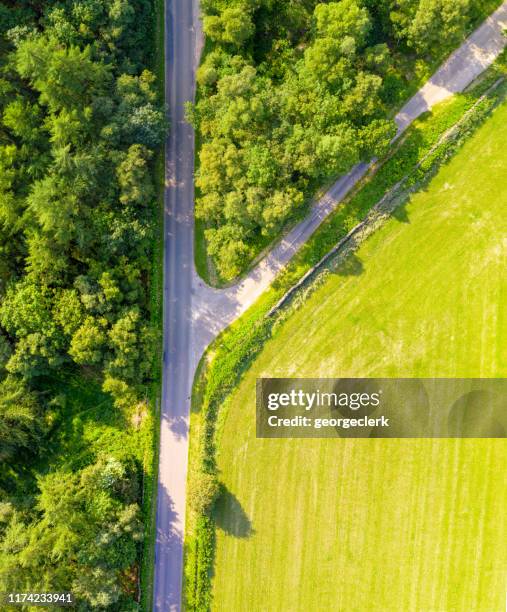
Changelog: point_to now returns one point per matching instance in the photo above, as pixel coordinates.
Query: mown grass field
(382, 524)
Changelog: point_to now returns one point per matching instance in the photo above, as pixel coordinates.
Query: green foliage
(25, 314)
(65, 77)
(19, 428)
(267, 142)
(292, 95)
(133, 178)
(203, 492)
(427, 25)
(88, 342)
(233, 26)
(80, 120)
(227, 245)
(85, 536)
(199, 582)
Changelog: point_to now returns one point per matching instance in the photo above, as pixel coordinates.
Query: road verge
(150, 467)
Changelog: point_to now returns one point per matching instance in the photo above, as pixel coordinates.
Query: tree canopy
(292, 94)
(80, 118)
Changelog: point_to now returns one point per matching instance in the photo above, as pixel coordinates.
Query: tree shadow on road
(230, 516)
(168, 553)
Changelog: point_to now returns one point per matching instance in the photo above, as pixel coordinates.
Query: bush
(202, 493)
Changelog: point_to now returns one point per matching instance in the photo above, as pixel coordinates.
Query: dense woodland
(80, 119)
(293, 93)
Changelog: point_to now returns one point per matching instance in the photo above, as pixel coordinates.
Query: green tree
(64, 77)
(19, 428)
(124, 395)
(26, 314)
(339, 20)
(68, 310)
(227, 245)
(56, 207)
(83, 536)
(438, 23)
(134, 179)
(203, 492)
(24, 120)
(234, 25)
(89, 342)
(10, 205)
(237, 25)
(337, 152)
(139, 117)
(130, 341)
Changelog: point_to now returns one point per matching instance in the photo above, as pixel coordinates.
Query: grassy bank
(156, 308)
(232, 353)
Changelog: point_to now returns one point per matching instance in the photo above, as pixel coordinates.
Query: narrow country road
(182, 46)
(193, 312)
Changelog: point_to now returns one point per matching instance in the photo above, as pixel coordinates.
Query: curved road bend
(193, 312)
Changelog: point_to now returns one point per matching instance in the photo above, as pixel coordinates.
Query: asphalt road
(181, 47)
(193, 312)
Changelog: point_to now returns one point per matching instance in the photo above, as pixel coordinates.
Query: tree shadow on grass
(230, 516)
(350, 266)
(400, 212)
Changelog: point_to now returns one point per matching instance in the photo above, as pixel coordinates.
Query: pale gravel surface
(193, 312)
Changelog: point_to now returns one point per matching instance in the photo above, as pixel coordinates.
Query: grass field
(382, 524)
